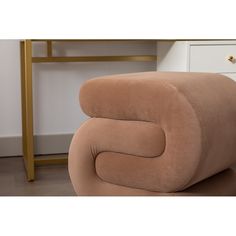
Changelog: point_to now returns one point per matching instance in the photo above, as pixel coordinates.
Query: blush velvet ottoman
(154, 133)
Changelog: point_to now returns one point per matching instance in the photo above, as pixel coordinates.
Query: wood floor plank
(50, 180)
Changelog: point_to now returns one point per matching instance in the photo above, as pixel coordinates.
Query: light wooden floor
(50, 180)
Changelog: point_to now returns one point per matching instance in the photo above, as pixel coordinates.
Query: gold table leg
(27, 97)
(49, 48)
(27, 108)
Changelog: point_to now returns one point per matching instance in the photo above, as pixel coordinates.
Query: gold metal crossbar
(49, 160)
(27, 95)
(94, 58)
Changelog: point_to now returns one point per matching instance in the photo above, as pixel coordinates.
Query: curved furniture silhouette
(153, 132)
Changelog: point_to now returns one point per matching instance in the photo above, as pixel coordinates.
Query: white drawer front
(212, 58)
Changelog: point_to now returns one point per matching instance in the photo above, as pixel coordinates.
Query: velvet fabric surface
(153, 132)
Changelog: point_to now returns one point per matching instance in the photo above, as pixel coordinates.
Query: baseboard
(43, 144)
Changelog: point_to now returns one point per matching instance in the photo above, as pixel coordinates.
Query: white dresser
(198, 56)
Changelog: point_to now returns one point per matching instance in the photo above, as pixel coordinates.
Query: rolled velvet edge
(195, 111)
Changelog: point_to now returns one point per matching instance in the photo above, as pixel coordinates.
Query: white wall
(10, 106)
(56, 85)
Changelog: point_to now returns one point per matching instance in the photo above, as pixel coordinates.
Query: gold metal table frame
(27, 95)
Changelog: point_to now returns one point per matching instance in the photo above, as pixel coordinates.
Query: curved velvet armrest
(153, 132)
